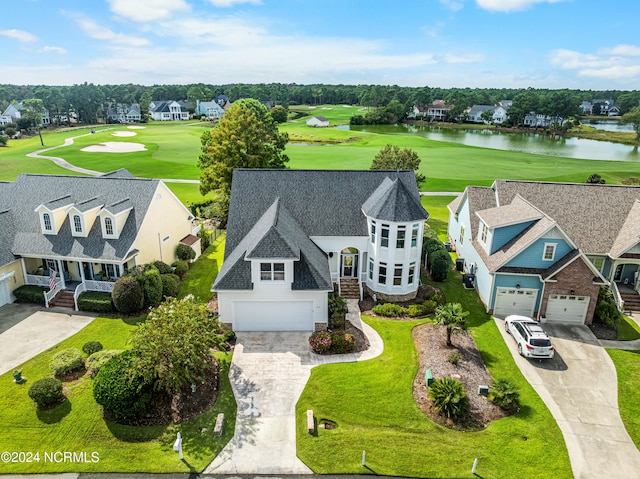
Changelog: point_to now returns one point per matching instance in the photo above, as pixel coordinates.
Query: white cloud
(453, 5)
(147, 10)
(510, 5)
(19, 35)
(231, 3)
(97, 31)
(52, 49)
(465, 58)
(614, 63)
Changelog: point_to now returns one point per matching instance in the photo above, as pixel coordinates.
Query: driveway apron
(268, 373)
(580, 388)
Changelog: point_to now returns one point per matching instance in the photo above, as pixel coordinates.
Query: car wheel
(520, 349)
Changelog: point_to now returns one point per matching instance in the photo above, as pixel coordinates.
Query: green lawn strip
(204, 270)
(436, 206)
(627, 329)
(627, 365)
(189, 192)
(77, 425)
(372, 403)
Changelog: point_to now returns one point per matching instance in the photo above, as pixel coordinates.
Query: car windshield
(540, 342)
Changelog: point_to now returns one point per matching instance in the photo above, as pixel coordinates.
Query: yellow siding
(18, 277)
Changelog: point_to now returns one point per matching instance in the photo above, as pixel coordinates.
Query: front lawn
(627, 329)
(372, 402)
(77, 424)
(200, 276)
(627, 365)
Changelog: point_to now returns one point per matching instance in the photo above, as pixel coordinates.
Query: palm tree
(452, 316)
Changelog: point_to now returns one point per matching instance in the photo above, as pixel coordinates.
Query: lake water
(534, 143)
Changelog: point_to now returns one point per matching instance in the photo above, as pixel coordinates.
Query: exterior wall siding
(18, 277)
(502, 236)
(532, 256)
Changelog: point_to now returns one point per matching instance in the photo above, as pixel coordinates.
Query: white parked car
(531, 339)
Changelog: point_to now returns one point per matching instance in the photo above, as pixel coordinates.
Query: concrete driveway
(580, 388)
(268, 373)
(27, 330)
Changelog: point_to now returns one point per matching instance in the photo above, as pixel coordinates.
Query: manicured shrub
(336, 304)
(440, 265)
(181, 268)
(127, 295)
(95, 301)
(185, 252)
(66, 361)
(170, 285)
(430, 305)
(390, 310)
(449, 397)
(421, 309)
(30, 293)
(119, 389)
(149, 278)
(454, 357)
(46, 392)
(320, 341)
(606, 309)
(99, 358)
(91, 347)
(503, 393)
(162, 267)
(342, 342)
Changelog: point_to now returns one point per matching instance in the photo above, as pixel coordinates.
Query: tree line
(89, 101)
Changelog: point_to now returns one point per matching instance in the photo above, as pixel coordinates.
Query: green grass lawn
(628, 369)
(372, 403)
(200, 276)
(627, 329)
(77, 425)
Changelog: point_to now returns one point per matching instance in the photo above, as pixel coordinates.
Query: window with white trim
(382, 273)
(108, 226)
(461, 234)
(51, 264)
(272, 271)
(412, 272)
(77, 224)
(397, 275)
(373, 232)
(384, 236)
(597, 261)
(549, 251)
(371, 269)
(400, 236)
(484, 231)
(111, 270)
(414, 235)
(46, 220)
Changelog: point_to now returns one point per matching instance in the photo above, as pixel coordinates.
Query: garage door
(567, 309)
(515, 301)
(273, 315)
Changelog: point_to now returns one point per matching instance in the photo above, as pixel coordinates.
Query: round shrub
(390, 310)
(342, 342)
(181, 268)
(503, 393)
(46, 392)
(119, 389)
(92, 347)
(440, 265)
(320, 341)
(164, 268)
(99, 358)
(185, 252)
(127, 295)
(149, 278)
(170, 285)
(66, 361)
(416, 310)
(448, 396)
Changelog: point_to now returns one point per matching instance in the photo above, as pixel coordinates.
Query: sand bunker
(124, 133)
(115, 147)
(136, 127)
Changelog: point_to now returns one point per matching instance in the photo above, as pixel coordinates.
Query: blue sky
(585, 44)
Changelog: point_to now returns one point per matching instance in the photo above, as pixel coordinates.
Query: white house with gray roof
(544, 249)
(168, 111)
(294, 236)
(89, 230)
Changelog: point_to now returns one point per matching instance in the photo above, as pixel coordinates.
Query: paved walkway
(579, 386)
(62, 162)
(268, 373)
(26, 331)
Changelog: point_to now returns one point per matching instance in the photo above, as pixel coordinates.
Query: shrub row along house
(545, 249)
(88, 230)
(294, 236)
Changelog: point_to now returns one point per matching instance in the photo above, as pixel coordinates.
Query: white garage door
(515, 301)
(273, 315)
(567, 309)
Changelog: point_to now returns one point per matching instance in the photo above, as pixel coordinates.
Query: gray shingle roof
(391, 201)
(30, 191)
(519, 211)
(7, 233)
(90, 204)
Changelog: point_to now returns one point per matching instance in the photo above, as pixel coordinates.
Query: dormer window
(271, 271)
(549, 251)
(108, 226)
(77, 224)
(46, 221)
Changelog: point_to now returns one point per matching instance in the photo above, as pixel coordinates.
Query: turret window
(414, 235)
(400, 237)
(384, 236)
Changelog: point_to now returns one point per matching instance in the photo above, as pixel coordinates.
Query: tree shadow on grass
(54, 414)
(129, 433)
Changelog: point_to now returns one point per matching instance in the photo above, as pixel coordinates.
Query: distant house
(212, 110)
(185, 104)
(123, 113)
(586, 107)
(167, 111)
(221, 100)
(506, 104)
(418, 112)
(474, 114)
(14, 112)
(607, 107)
(438, 111)
(318, 122)
(537, 120)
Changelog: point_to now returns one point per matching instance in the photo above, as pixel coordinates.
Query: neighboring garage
(515, 301)
(273, 315)
(5, 295)
(567, 309)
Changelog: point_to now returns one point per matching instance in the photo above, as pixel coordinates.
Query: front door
(349, 265)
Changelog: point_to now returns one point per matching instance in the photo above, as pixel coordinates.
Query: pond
(534, 143)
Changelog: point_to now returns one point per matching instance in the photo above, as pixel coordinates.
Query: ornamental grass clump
(449, 397)
(320, 342)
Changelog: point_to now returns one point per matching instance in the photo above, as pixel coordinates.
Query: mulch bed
(361, 343)
(601, 331)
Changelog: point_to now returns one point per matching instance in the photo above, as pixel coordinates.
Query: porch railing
(37, 280)
(49, 295)
(617, 296)
(81, 288)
